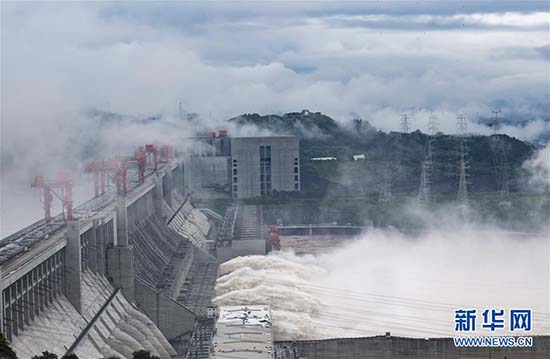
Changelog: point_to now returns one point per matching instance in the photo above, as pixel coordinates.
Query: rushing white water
(386, 281)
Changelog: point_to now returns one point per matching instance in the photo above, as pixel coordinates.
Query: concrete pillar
(92, 247)
(167, 192)
(2, 305)
(121, 269)
(187, 168)
(73, 264)
(180, 179)
(157, 194)
(121, 222)
(121, 257)
(100, 246)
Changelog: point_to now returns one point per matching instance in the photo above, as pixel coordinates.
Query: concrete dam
(132, 272)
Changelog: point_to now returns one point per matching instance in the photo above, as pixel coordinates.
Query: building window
(265, 170)
(234, 171)
(296, 178)
(295, 169)
(296, 186)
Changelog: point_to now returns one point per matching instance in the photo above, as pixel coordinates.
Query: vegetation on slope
(321, 136)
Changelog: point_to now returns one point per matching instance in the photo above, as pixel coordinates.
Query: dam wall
(172, 318)
(398, 347)
(86, 285)
(108, 325)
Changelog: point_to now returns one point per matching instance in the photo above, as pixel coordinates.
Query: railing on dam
(24, 239)
(320, 229)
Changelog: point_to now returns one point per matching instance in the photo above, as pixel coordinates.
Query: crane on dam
(64, 183)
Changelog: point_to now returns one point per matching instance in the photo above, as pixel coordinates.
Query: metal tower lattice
(405, 123)
(503, 174)
(462, 196)
(387, 195)
(461, 125)
(433, 124)
(496, 120)
(425, 190)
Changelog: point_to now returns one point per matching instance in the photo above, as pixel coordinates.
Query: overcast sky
(374, 59)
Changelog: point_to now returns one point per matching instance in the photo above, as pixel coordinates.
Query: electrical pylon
(503, 174)
(392, 169)
(462, 196)
(496, 120)
(433, 124)
(405, 123)
(425, 190)
(387, 185)
(461, 125)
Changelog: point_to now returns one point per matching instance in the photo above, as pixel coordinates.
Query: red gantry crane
(152, 155)
(273, 242)
(117, 168)
(166, 153)
(62, 182)
(101, 170)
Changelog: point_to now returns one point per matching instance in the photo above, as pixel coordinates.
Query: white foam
(386, 281)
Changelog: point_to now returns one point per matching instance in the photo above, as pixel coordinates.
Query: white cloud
(538, 169)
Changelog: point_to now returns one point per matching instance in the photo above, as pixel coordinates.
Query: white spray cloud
(385, 280)
(538, 168)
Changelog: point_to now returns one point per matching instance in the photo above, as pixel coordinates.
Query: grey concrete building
(260, 165)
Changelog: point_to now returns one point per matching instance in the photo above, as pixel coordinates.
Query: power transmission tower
(425, 190)
(392, 170)
(502, 166)
(503, 174)
(496, 120)
(387, 185)
(433, 124)
(405, 123)
(461, 125)
(462, 196)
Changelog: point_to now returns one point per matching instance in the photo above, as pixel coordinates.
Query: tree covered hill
(393, 158)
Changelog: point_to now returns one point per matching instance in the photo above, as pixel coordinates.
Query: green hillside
(322, 136)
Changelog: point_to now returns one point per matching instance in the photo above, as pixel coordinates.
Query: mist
(538, 169)
(389, 281)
